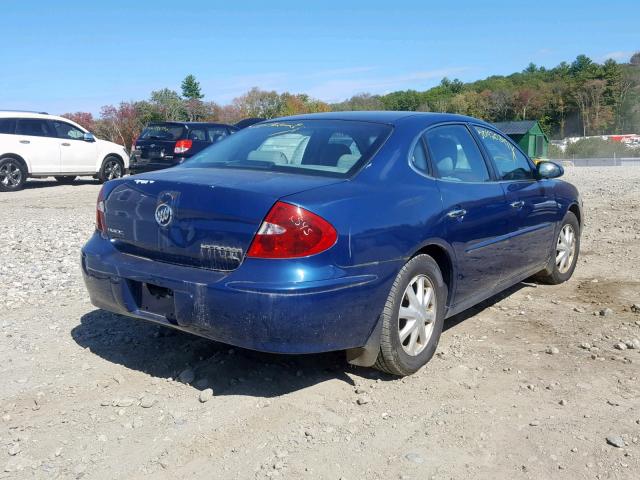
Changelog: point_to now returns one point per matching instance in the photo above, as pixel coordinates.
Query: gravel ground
(540, 382)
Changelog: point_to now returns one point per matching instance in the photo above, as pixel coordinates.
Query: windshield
(162, 132)
(324, 147)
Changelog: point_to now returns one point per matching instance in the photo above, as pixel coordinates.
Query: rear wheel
(565, 252)
(112, 168)
(412, 318)
(13, 175)
(66, 179)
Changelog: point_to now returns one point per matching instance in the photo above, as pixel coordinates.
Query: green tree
(259, 103)
(169, 105)
(191, 88)
(404, 100)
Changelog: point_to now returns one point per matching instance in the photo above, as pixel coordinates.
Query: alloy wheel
(417, 315)
(10, 174)
(112, 169)
(565, 248)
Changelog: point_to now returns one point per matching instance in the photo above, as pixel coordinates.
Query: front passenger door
(475, 209)
(76, 155)
(533, 206)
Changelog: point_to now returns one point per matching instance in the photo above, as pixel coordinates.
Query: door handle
(457, 213)
(518, 204)
(65, 144)
(25, 141)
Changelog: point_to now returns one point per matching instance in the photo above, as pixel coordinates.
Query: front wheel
(13, 175)
(112, 168)
(412, 318)
(565, 252)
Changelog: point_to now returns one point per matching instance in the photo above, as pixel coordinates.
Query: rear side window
(455, 154)
(215, 134)
(196, 134)
(419, 156)
(510, 162)
(33, 127)
(7, 125)
(162, 132)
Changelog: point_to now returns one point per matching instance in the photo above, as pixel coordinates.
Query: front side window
(66, 130)
(321, 147)
(32, 127)
(455, 154)
(510, 162)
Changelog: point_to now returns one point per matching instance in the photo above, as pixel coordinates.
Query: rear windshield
(323, 147)
(161, 132)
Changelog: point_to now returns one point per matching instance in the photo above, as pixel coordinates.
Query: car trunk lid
(198, 217)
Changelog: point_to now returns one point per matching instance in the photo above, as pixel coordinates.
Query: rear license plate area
(155, 299)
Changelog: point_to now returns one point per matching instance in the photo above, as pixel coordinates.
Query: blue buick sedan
(355, 231)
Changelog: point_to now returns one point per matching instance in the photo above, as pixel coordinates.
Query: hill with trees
(572, 99)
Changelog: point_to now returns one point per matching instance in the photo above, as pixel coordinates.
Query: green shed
(527, 134)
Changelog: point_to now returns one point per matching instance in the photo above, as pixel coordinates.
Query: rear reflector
(289, 231)
(182, 146)
(101, 224)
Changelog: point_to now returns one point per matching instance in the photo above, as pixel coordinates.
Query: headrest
(267, 156)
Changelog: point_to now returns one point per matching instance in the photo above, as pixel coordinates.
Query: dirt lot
(528, 385)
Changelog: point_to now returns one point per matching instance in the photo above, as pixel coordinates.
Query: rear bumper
(138, 165)
(336, 310)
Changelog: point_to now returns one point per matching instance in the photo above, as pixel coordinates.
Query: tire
(397, 356)
(66, 179)
(561, 271)
(112, 167)
(13, 174)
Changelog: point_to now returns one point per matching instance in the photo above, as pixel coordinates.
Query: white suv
(41, 145)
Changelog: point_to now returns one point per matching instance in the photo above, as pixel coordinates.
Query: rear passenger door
(475, 209)
(531, 202)
(37, 144)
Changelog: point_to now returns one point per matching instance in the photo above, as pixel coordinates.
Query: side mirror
(88, 137)
(549, 170)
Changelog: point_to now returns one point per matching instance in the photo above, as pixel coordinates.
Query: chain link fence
(600, 162)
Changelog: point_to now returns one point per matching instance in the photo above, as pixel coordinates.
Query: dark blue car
(356, 231)
(166, 144)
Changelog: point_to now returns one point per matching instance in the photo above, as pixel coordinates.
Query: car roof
(388, 117)
(195, 124)
(42, 115)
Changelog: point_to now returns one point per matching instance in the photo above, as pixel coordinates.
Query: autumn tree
(84, 119)
(120, 124)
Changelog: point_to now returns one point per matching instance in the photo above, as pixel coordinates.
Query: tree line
(580, 98)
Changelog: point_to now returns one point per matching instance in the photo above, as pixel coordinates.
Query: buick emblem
(164, 214)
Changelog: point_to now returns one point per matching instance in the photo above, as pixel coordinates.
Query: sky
(69, 56)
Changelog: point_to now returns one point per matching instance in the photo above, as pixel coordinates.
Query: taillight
(290, 232)
(182, 146)
(101, 224)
